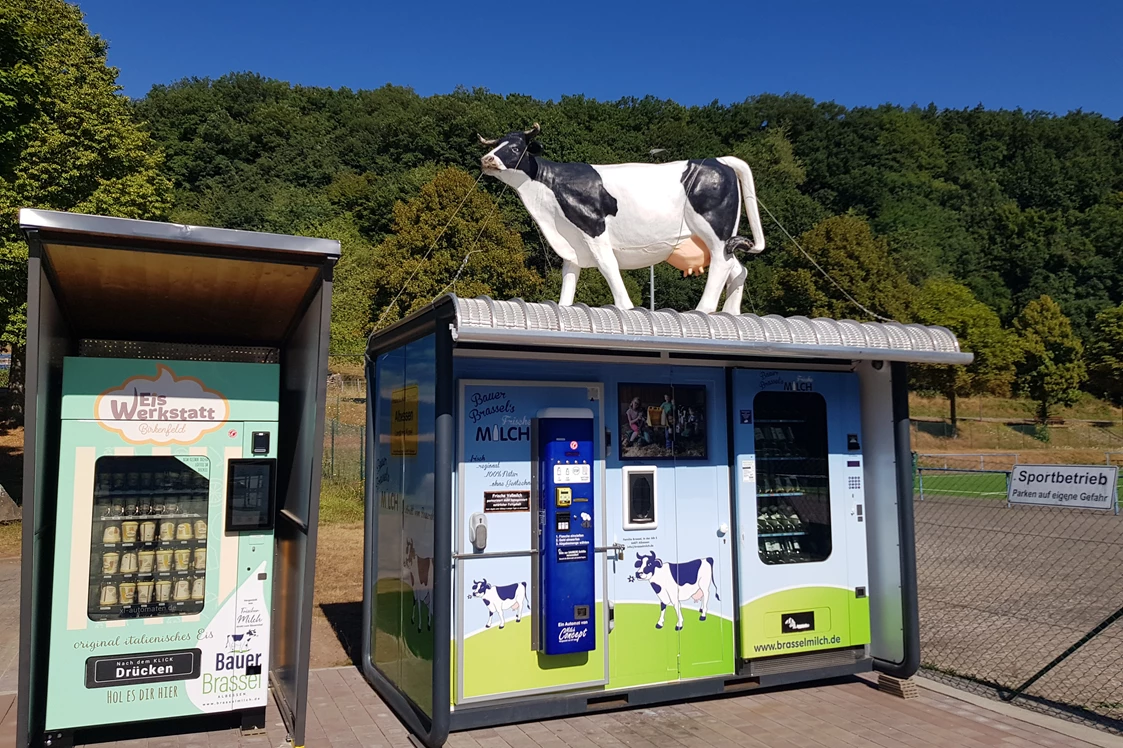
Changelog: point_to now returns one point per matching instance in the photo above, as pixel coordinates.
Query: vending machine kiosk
(174, 395)
(580, 508)
(163, 569)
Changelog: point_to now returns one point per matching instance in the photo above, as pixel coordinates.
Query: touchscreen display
(249, 495)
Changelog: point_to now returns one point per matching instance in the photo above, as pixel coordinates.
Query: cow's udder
(691, 256)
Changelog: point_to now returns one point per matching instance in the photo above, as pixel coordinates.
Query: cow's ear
(534, 148)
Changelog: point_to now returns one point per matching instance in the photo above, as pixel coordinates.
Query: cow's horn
(532, 132)
(637, 555)
(485, 141)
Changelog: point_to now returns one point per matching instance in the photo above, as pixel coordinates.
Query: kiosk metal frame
(124, 288)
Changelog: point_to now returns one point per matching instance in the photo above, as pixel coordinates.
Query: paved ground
(345, 713)
(9, 625)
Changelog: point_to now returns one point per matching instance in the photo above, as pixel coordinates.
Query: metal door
(494, 584)
(798, 484)
(672, 592)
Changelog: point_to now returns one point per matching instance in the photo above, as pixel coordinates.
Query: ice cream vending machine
(163, 559)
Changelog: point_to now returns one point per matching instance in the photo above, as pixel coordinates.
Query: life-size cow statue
(673, 583)
(500, 598)
(635, 215)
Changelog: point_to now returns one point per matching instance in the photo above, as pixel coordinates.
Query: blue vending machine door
(566, 513)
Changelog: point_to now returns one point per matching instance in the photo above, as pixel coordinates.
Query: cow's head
(479, 588)
(514, 151)
(646, 564)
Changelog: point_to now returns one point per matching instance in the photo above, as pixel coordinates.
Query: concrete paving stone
(345, 711)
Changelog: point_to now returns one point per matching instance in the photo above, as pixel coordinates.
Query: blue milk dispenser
(563, 449)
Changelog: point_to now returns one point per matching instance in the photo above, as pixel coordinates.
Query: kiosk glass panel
(148, 538)
(793, 486)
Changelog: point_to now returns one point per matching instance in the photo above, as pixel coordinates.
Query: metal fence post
(920, 478)
(362, 453)
(333, 423)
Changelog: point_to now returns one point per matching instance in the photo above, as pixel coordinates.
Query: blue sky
(1055, 56)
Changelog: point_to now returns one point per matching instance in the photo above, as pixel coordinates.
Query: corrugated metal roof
(518, 322)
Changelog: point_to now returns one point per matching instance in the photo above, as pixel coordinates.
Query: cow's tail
(712, 580)
(748, 194)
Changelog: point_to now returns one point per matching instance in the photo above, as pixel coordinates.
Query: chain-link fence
(345, 431)
(1019, 602)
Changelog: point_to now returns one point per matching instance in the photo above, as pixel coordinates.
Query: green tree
(592, 288)
(844, 247)
(1012, 204)
(942, 301)
(1052, 370)
(1105, 354)
(70, 140)
(451, 237)
(354, 283)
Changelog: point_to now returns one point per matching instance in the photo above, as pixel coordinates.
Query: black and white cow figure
(498, 598)
(634, 215)
(420, 569)
(673, 583)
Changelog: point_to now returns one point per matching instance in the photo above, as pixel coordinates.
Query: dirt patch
(337, 613)
(10, 539)
(11, 460)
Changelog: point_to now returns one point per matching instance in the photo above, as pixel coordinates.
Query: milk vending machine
(164, 550)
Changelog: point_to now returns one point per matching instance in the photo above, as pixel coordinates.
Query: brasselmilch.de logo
(164, 409)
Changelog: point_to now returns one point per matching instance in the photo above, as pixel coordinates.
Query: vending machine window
(639, 498)
(793, 486)
(148, 537)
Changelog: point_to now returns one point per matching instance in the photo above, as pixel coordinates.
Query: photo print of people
(662, 421)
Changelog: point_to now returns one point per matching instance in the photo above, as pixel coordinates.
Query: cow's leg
(734, 287)
(662, 612)
(719, 263)
(610, 269)
(678, 612)
(570, 272)
(489, 612)
(705, 602)
(502, 620)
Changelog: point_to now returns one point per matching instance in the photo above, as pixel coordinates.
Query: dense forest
(1006, 226)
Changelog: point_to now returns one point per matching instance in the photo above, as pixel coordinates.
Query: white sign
(572, 474)
(748, 470)
(165, 409)
(1080, 486)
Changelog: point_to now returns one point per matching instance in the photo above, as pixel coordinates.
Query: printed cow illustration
(498, 599)
(635, 215)
(243, 640)
(420, 569)
(674, 583)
